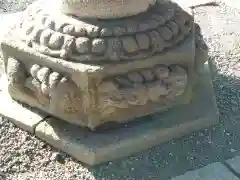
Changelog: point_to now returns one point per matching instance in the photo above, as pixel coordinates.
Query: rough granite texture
(105, 9)
(26, 119)
(93, 148)
(92, 73)
(25, 157)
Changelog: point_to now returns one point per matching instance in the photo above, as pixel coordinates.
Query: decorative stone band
(44, 79)
(43, 86)
(161, 84)
(105, 9)
(162, 27)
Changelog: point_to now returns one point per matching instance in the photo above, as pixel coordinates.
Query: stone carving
(105, 66)
(155, 31)
(159, 84)
(44, 86)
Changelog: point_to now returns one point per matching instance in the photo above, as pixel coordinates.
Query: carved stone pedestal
(98, 64)
(93, 148)
(99, 69)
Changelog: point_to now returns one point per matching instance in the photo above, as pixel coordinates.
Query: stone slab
(234, 163)
(94, 148)
(215, 171)
(18, 114)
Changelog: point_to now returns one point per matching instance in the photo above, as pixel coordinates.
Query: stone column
(105, 9)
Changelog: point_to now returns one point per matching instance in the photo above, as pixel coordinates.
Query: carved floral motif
(159, 84)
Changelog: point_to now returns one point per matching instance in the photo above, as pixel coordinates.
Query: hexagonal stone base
(94, 148)
(21, 115)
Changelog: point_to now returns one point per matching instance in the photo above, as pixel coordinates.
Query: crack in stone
(35, 126)
(229, 167)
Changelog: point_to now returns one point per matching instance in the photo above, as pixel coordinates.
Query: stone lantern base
(93, 148)
(99, 73)
(107, 84)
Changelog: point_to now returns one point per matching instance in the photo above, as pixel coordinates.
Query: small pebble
(58, 157)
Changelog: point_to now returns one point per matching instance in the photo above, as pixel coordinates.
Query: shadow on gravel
(219, 143)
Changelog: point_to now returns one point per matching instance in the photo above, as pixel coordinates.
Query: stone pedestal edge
(93, 148)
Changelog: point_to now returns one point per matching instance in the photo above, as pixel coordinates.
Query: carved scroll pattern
(161, 84)
(44, 86)
(61, 91)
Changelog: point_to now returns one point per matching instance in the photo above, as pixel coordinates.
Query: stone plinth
(97, 73)
(143, 133)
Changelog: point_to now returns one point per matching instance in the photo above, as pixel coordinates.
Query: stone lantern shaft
(105, 9)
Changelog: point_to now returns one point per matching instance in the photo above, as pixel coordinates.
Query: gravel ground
(14, 5)
(24, 157)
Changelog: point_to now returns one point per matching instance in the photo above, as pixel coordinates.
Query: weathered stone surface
(105, 9)
(215, 171)
(63, 88)
(151, 35)
(94, 72)
(93, 148)
(234, 163)
(20, 115)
